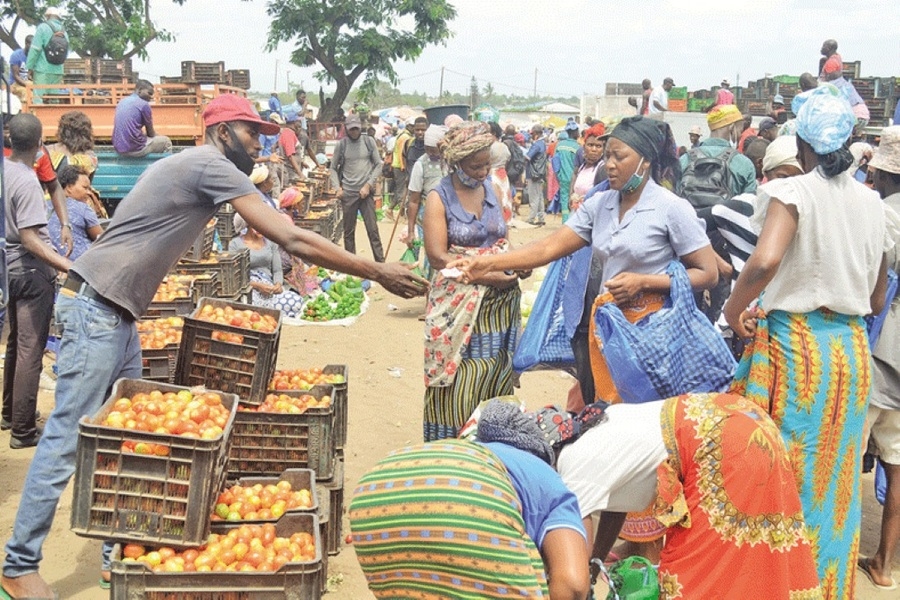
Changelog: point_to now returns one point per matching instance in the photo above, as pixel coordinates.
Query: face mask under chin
(238, 155)
(469, 182)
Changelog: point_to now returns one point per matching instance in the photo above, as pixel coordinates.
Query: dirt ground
(384, 353)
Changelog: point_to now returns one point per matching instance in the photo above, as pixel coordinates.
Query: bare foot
(30, 585)
(877, 575)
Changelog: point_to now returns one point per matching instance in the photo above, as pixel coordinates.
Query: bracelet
(69, 225)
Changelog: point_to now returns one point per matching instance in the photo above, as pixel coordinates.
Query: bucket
(437, 114)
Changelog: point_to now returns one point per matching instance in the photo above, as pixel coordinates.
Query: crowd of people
(751, 489)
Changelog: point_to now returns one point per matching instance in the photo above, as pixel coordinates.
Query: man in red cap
(111, 285)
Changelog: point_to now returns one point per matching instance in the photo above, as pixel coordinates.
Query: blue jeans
(97, 347)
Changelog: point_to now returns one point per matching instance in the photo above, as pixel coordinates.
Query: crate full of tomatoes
(238, 561)
(159, 347)
(231, 347)
(288, 430)
(256, 500)
(150, 461)
(173, 298)
(303, 379)
(231, 268)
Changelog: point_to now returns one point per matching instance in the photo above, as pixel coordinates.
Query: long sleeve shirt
(37, 61)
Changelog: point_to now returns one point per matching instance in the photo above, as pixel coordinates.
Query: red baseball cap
(231, 107)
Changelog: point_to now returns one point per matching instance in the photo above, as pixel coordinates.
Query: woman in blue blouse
(470, 329)
(84, 223)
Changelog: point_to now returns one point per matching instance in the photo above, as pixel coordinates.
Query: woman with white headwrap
(820, 262)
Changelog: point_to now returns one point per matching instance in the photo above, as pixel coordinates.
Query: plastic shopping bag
(545, 342)
(673, 351)
(875, 323)
(411, 257)
(880, 483)
(633, 578)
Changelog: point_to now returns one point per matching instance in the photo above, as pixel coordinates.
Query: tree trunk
(327, 113)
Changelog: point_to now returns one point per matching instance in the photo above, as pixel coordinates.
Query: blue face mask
(469, 182)
(635, 181)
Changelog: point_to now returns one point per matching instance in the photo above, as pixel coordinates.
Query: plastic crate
(300, 479)
(232, 268)
(203, 245)
(293, 581)
(198, 72)
(142, 497)
(158, 364)
(238, 78)
(244, 369)
(334, 489)
(268, 443)
(225, 224)
(175, 308)
(340, 400)
(324, 222)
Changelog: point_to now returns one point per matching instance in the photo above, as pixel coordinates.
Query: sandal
(863, 564)
(103, 583)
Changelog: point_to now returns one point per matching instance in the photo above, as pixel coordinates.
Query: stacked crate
(232, 270)
(200, 72)
(239, 78)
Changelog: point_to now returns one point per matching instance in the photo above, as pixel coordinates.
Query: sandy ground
(384, 353)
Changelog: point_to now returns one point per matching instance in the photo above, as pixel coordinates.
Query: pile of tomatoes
(289, 405)
(245, 548)
(159, 333)
(260, 502)
(245, 319)
(184, 414)
(303, 379)
(172, 289)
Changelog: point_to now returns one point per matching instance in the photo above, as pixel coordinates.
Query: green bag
(633, 578)
(411, 257)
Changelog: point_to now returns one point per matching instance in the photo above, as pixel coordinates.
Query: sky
(562, 47)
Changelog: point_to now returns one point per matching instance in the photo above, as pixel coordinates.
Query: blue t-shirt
(547, 504)
(658, 229)
(82, 217)
(132, 115)
(269, 144)
(18, 58)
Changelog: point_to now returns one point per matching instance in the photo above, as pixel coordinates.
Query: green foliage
(113, 29)
(350, 39)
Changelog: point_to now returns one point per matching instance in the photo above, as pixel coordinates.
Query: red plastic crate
(239, 368)
(143, 497)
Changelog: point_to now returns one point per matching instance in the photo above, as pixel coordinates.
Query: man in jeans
(112, 284)
(32, 263)
(355, 168)
(535, 175)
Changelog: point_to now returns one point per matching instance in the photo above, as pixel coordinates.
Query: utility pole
(441, 92)
(288, 79)
(275, 88)
(534, 93)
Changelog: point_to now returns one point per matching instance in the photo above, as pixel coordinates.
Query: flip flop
(4, 595)
(863, 565)
(103, 583)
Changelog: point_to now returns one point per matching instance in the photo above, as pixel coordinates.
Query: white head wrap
(434, 134)
(783, 151)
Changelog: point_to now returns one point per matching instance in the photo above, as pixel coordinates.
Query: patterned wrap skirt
(728, 493)
(813, 373)
(485, 369)
(442, 520)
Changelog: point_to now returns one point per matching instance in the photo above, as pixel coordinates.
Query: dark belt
(75, 283)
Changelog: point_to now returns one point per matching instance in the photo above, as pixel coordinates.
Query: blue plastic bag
(673, 351)
(544, 342)
(880, 483)
(874, 324)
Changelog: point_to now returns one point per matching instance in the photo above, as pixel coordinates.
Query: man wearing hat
(694, 134)
(778, 109)
(884, 406)
(42, 71)
(659, 97)
(729, 174)
(355, 167)
(111, 285)
(768, 129)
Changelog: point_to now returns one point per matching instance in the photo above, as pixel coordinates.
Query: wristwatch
(69, 225)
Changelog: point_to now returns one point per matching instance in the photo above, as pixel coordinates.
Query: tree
(116, 29)
(489, 92)
(349, 38)
(473, 93)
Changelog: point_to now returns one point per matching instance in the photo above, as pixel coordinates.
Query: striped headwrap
(466, 139)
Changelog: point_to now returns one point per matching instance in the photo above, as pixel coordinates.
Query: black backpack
(515, 167)
(706, 181)
(57, 48)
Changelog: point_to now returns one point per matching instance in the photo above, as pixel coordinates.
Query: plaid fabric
(544, 340)
(676, 348)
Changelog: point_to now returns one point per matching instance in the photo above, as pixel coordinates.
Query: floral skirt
(288, 302)
(728, 493)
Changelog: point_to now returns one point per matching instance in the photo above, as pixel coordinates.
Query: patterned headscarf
(825, 119)
(654, 141)
(465, 139)
(595, 130)
(505, 422)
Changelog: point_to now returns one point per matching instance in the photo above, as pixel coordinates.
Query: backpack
(340, 151)
(57, 48)
(536, 169)
(515, 167)
(706, 182)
